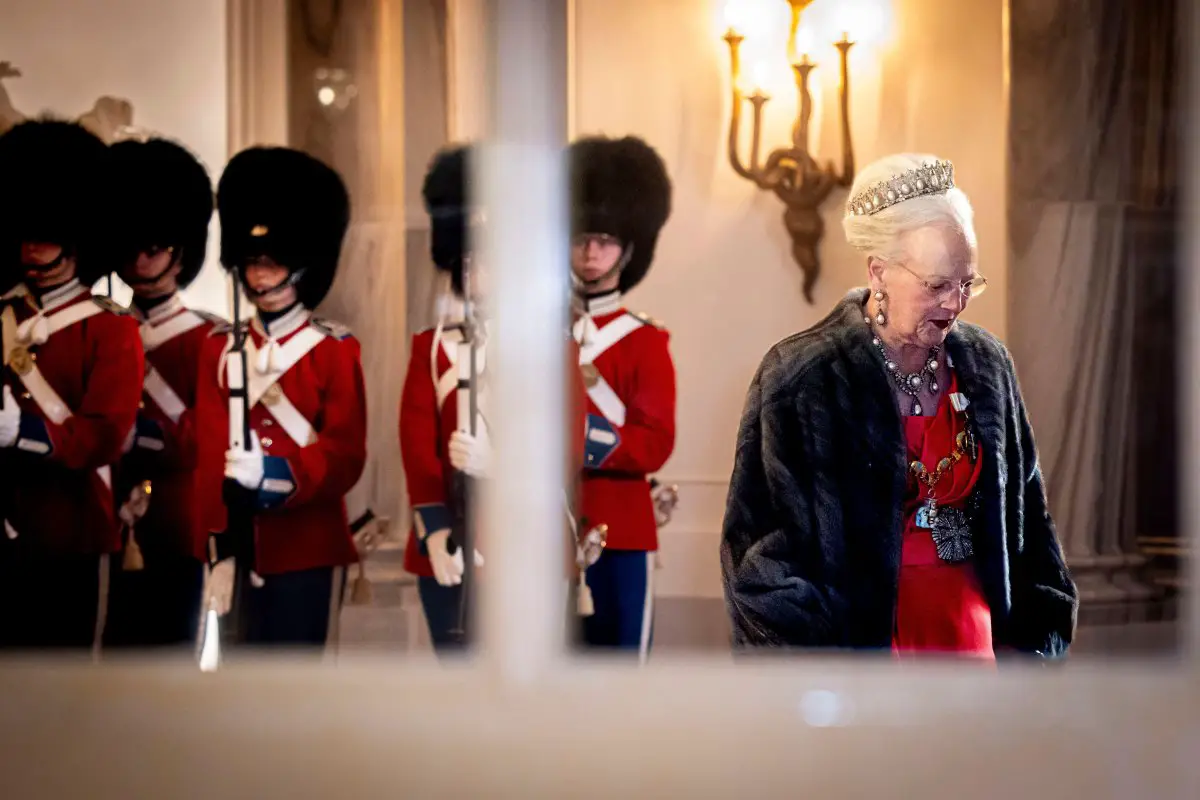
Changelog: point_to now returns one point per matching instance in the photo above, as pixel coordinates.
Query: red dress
(940, 607)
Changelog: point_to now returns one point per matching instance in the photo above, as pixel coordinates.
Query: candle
(760, 76)
(804, 43)
(734, 18)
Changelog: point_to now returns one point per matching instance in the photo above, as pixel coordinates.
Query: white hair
(879, 234)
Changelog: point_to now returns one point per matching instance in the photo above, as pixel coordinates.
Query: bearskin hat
(448, 195)
(52, 191)
(288, 206)
(161, 197)
(620, 187)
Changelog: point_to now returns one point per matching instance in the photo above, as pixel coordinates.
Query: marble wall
(1093, 188)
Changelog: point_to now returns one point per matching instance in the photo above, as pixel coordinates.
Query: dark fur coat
(810, 551)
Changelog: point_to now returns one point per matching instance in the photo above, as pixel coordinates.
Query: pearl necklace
(911, 383)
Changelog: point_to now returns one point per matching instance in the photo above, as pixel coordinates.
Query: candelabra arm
(847, 176)
(734, 40)
(735, 126)
(804, 117)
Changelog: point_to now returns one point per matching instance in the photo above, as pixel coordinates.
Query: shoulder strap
(154, 336)
(156, 386)
(447, 381)
(40, 390)
(286, 357)
(289, 417)
(76, 312)
(595, 341)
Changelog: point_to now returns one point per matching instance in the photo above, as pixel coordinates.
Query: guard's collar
(597, 304)
(281, 326)
(160, 312)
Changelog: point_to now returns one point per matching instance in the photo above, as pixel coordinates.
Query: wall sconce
(335, 89)
(791, 172)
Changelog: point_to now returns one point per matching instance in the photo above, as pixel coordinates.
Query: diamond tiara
(933, 178)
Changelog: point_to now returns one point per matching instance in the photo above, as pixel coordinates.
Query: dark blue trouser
(622, 585)
(442, 606)
(48, 601)
(294, 609)
(158, 606)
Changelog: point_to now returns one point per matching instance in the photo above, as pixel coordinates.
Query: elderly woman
(886, 492)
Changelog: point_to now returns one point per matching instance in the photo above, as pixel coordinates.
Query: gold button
(267, 423)
(141, 405)
(26, 396)
(266, 441)
(21, 360)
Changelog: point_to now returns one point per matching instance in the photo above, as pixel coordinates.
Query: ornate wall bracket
(110, 118)
(792, 173)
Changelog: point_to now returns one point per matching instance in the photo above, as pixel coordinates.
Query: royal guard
(439, 458)
(442, 453)
(282, 406)
(621, 198)
(160, 203)
(71, 385)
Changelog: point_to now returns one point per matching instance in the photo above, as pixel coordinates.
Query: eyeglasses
(582, 240)
(942, 290)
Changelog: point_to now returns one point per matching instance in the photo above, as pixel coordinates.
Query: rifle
(3, 404)
(237, 541)
(467, 398)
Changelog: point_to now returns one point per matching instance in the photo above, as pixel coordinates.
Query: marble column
(1088, 100)
(358, 55)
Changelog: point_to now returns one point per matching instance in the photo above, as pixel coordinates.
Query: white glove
(246, 466)
(10, 419)
(471, 454)
(447, 569)
(136, 506)
(218, 587)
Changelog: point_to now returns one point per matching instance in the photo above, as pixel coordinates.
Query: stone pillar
(346, 106)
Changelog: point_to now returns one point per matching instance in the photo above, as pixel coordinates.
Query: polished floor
(392, 623)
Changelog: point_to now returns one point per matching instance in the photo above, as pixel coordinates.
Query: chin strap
(587, 286)
(155, 279)
(62, 254)
(292, 279)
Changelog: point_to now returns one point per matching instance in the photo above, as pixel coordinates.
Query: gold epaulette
(208, 316)
(110, 305)
(224, 327)
(649, 320)
(334, 330)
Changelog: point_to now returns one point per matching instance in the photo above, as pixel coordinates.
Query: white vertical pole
(1188, 311)
(526, 253)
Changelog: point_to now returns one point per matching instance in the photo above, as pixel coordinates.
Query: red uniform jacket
(302, 519)
(164, 450)
(630, 380)
(428, 416)
(82, 364)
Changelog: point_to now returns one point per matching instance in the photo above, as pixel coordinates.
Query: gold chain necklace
(917, 468)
